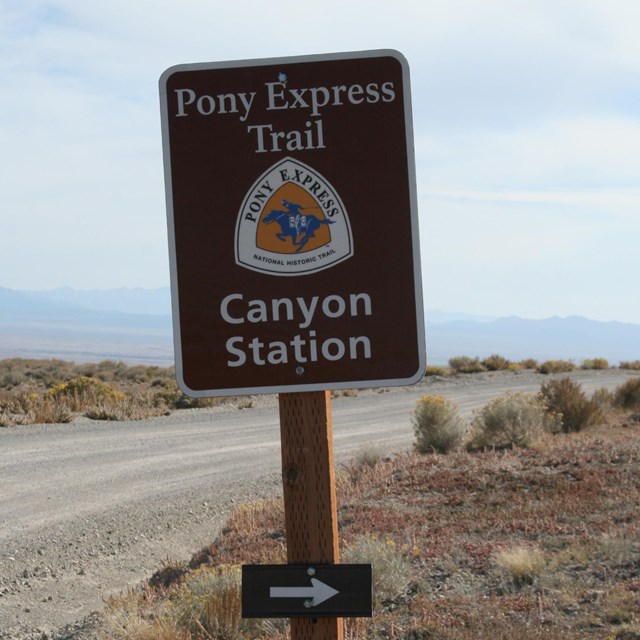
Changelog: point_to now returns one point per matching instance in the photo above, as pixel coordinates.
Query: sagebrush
(437, 425)
(556, 366)
(466, 364)
(566, 399)
(496, 362)
(391, 570)
(595, 363)
(54, 391)
(515, 419)
(627, 395)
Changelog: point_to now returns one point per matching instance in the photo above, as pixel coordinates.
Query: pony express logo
(292, 222)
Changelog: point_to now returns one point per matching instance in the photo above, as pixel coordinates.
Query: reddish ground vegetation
(572, 506)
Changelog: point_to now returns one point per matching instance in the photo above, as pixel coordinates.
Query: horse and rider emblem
(300, 228)
(292, 222)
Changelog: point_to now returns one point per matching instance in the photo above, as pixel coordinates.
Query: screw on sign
(293, 244)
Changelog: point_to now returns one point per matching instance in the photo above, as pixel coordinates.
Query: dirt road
(91, 507)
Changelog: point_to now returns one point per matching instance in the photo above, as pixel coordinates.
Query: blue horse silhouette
(293, 224)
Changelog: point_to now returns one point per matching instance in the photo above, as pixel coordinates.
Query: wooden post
(309, 495)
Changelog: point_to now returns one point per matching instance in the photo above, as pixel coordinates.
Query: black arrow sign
(309, 591)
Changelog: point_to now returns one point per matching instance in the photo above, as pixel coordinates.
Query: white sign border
(413, 205)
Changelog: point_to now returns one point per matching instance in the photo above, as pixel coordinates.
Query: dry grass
(490, 545)
(515, 419)
(565, 398)
(556, 366)
(435, 370)
(496, 362)
(390, 566)
(633, 365)
(53, 391)
(627, 395)
(437, 425)
(595, 363)
(466, 364)
(522, 564)
(498, 544)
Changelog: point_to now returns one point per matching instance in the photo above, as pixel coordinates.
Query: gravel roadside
(88, 509)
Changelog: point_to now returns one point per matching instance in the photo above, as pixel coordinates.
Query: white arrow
(319, 592)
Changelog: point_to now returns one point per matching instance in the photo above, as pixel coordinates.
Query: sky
(526, 123)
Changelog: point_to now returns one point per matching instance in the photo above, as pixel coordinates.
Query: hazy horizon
(440, 315)
(526, 121)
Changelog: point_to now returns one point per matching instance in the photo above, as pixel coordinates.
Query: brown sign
(292, 221)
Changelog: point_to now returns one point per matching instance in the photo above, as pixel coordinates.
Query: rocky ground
(51, 576)
(58, 566)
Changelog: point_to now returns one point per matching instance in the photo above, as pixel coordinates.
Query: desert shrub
(566, 399)
(109, 370)
(171, 572)
(344, 393)
(53, 390)
(595, 363)
(210, 601)
(603, 398)
(437, 425)
(391, 571)
(515, 419)
(82, 394)
(14, 408)
(368, 456)
(522, 564)
(42, 372)
(128, 617)
(627, 395)
(83, 391)
(88, 370)
(10, 379)
(495, 362)
(205, 604)
(209, 604)
(30, 408)
(465, 364)
(634, 365)
(432, 370)
(50, 411)
(137, 406)
(528, 363)
(100, 401)
(172, 397)
(617, 548)
(556, 366)
(134, 374)
(111, 365)
(203, 403)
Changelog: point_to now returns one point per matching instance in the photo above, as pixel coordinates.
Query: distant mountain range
(573, 338)
(134, 301)
(134, 325)
(101, 325)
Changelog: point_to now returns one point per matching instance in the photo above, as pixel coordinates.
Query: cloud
(532, 253)
(596, 152)
(526, 118)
